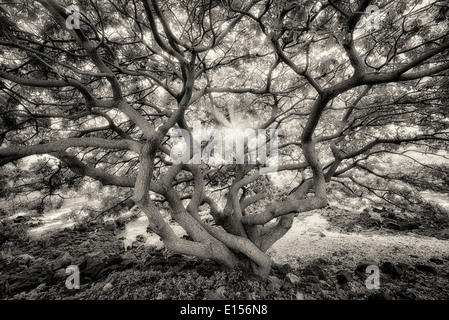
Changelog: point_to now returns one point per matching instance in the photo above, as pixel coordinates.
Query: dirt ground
(323, 257)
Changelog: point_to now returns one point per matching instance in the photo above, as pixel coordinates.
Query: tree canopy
(101, 96)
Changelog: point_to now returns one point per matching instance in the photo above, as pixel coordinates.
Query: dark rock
(388, 214)
(344, 276)
(127, 264)
(109, 225)
(312, 279)
(365, 215)
(106, 271)
(93, 264)
(360, 270)
(129, 255)
(63, 261)
(410, 295)
(379, 210)
(315, 270)
(60, 274)
(3, 263)
(113, 260)
(140, 238)
(391, 269)
(173, 261)
(160, 268)
(275, 266)
(86, 244)
(24, 260)
(370, 223)
(379, 296)
(342, 292)
(409, 276)
(436, 261)
(444, 234)
(409, 226)
(207, 270)
(3, 239)
(135, 244)
(274, 282)
(157, 252)
(121, 221)
(4, 286)
(156, 261)
(183, 265)
(82, 228)
(19, 219)
(403, 267)
(29, 279)
(284, 269)
(426, 268)
(94, 224)
(315, 288)
(391, 225)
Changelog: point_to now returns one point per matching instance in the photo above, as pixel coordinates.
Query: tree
(100, 96)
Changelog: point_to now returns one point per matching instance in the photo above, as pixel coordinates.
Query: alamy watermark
(373, 280)
(250, 141)
(73, 280)
(373, 19)
(73, 20)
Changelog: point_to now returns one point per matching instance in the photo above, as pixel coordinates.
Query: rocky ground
(36, 269)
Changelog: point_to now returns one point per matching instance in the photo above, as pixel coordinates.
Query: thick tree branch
(69, 143)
